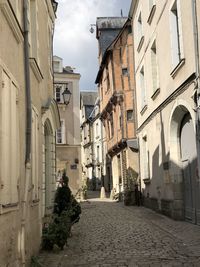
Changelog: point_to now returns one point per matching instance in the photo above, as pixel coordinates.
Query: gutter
(27, 84)
(197, 83)
(28, 132)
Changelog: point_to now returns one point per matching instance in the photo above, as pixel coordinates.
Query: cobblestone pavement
(109, 234)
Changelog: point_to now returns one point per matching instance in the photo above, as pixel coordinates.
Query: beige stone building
(68, 140)
(28, 121)
(166, 35)
(87, 104)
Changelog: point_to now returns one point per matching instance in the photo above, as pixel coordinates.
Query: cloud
(72, 39)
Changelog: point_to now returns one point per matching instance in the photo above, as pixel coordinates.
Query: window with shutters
(58, 93)
(154, 67)
(140, 36)
(129, 114)
(9, 139)
(61, 133)
(35, 154)
(111, 126)
(142, 88)
(152, 8)
(176, 34)
(34, 29)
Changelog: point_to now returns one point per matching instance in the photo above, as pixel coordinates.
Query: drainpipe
(28, 128)
(197, 83)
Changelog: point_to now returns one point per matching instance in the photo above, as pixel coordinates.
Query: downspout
(197, 83)
(28, 129)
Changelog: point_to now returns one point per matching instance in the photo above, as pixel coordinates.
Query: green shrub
(35, 262)
(66, 212)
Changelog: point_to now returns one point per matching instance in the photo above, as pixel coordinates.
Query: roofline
(132, 8)
(108, 49)
(65, 73)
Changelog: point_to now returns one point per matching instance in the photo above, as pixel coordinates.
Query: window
(139, 27)
(35, 153)
(120, 119)
(119, 168)
(97, 130)
(61, 133)
(152, 9)
(154, 68)
(97, 153)
(129, 115)
(58, 95)
(176, 34)
(59, 89)
(34, 29)
(111, 126)
(142, 88)
(9, 153)
(125, 71)
(107, 78)
(50, 47)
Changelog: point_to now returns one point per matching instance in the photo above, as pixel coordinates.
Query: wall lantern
(91, 28)
(66, 96)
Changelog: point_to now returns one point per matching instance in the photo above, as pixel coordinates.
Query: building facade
(116, 84)
(166, 45)
(87, 114)
(68, 142)
(28, 120)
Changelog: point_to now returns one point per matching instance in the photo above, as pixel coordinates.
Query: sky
(72, 39)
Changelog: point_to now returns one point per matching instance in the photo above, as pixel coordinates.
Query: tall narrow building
(68, 142)
(116, 85)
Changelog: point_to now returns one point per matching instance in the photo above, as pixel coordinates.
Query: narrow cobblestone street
(109, 234)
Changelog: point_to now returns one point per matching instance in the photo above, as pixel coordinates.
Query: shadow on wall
(174, 187)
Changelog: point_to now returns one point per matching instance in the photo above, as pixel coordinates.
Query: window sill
(155, 94)
(60, 144)
(9, 208)
(36, 69)
(143, 109)
(140, 43)
(177, 68)
(151, 14)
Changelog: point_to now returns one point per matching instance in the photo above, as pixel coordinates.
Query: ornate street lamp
(66, 96)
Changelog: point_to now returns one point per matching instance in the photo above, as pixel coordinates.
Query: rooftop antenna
(121, 13)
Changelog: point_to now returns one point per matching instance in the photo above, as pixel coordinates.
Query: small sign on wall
(73, 167)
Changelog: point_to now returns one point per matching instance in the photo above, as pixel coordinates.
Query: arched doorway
(183, 162)
(48, 169)
(189, 164)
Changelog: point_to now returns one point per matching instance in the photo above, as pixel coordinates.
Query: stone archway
(48, 168)
(182, 129)
(50, 123)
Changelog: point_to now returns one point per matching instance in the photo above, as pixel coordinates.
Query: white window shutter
(63, 132)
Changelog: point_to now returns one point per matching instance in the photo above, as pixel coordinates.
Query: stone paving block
(109, 234)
